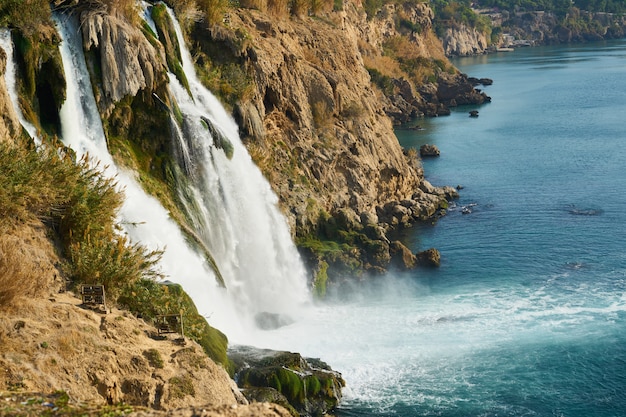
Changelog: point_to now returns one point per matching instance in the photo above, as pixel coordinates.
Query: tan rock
(129, 62)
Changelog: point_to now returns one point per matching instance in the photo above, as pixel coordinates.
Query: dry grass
(19, 272)
(385, 65)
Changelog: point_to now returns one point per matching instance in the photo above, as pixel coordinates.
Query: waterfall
(235, 211)
(238, 219)
(142, 216)
(10, 77)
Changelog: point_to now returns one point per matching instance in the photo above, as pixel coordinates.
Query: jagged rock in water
(429, 150)
(430, 257)
(402, 256)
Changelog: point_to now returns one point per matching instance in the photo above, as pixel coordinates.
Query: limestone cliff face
(461, 40)
(542, 28)
(324, 140)
(321, 131)
(9, 123)
(128, 61)
(315, 124)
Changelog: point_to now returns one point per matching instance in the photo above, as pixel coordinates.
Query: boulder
(310, 386)
(430, 257)
(429, 150)
(401, 256)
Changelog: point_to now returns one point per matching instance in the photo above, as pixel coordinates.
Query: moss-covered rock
(310, 386)
(41, 77)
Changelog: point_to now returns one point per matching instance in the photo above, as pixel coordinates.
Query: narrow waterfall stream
(9, 75)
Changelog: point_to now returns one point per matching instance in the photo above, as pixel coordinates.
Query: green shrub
(150, 299)
(154, 357)
(181, 386)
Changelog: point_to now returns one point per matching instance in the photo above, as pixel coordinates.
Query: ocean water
(527, 314)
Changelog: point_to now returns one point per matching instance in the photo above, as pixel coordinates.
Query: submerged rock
(271, 321)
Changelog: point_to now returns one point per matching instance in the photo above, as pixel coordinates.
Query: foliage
(181, 386)
(149, 299)
(57, 404)
(28, 16)
(320, 280)
(165, 30)
(229, 81)
(560, 7)
(449, 12)
(18, 276)
(384, 82)
(80, 205)
(372, 7)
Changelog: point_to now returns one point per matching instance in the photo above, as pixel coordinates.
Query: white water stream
(142, 216)
(10, 78)
(239, 218)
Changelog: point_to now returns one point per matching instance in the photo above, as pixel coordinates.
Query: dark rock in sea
(473, 113)
(306, 386)
(430, 257)
(584, 211)
(429, 150)
(401, 256)
(486, 81)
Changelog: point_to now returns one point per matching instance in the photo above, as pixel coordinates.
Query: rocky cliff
(311, 117)
(322, 131)
(462, 40)
(577, 26)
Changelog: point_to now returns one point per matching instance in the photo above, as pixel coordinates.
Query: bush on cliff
(79, 204)
(150, 299)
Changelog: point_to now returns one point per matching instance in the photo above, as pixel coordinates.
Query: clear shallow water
(527, 314)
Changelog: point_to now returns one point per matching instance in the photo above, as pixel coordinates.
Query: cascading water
(10, 78)
(143, 217)
(234, 208)
(238, 217)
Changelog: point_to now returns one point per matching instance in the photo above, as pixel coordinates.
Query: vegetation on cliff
(541, 21)
(79, 205)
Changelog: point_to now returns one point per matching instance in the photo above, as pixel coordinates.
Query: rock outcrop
(307, 386)
(322, 133)
(104, 358)
(429, 150)
(462, 40)
(128, 62)
(545, 28)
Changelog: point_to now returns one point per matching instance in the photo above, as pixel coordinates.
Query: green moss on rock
(149, 299)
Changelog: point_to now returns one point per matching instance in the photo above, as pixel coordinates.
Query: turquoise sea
(527, 314)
